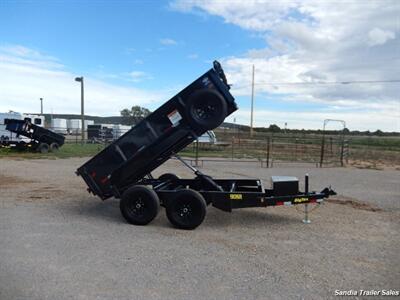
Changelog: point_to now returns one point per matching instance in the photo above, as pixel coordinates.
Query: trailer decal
(174, 117)
(300, 200)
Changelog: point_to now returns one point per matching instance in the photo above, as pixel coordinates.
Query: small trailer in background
(39, 139)
(123, 169)
(6, 135)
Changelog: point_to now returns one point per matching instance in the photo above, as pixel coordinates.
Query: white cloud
(26, 76)
(314, 120)
(193, 56)
(137, 76)
(168, 42)
(129, 50)
(378, 36)
(314, 42)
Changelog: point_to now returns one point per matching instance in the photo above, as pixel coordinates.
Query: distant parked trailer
(7, 136)
(39, 139)
(208, 138)
(100, 133)
(87, 123)
(34, 119)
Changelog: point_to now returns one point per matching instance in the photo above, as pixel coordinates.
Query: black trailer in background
(41, 139)
(123, 169)
(98, 133)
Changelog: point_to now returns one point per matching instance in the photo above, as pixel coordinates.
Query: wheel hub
(138, 207)
(185, 211)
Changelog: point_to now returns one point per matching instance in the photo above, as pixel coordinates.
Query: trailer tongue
(123, 169)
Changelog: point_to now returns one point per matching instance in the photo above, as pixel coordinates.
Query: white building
(75, 125)
(59, 125)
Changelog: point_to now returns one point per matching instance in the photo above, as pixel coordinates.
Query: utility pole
(252, 104)
(41, 106)
(80, 79)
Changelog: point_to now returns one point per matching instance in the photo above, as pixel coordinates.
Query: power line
(324, 82)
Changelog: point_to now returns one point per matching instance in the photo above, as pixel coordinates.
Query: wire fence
(269, 149)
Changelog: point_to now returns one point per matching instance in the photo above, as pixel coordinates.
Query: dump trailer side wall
(151, 142)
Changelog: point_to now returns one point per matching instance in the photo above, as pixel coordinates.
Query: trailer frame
(223, 194)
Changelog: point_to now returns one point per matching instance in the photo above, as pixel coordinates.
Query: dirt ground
(59, 242)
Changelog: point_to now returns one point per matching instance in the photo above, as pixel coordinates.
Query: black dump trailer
(123, 169)
(41, 139)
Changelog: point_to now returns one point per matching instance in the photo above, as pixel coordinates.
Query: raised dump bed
(201, 106)
(41, 139)
(123, 169)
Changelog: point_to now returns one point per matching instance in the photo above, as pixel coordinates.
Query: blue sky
(143, 52)
(113, 37)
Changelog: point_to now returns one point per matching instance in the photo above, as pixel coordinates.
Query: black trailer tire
(54, 147)
(206, 109)
(43, 148)
(139, 205)
(187, 209)
(168, 177)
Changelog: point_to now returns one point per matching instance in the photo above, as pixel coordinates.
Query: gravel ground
(58, 242)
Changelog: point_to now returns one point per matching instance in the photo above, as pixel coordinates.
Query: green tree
(379, 133)
(274, 128)
(134, 115)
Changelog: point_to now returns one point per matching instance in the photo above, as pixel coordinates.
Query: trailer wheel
(139, 205)
(43, 148)
(187, 210)
(54, 147)
(168, 177)
(206, 109)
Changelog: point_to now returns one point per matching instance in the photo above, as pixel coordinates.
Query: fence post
(272, 151)
(233, 141)
(268, 147)
(322, 151)
(197, 152)
(344, 152)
